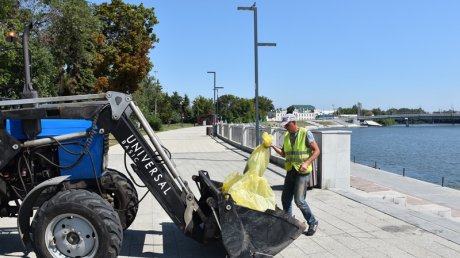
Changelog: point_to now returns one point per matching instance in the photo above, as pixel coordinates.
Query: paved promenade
(383, 215)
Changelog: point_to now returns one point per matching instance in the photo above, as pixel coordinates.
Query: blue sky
(382, 53)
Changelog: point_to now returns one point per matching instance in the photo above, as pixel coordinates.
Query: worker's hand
(303, 167)
(267, 140)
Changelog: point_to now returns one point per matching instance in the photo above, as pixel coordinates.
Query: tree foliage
(265, 106)
(377, 111)
(73, 29)
(234, 109)
(187, 110)
(76, 47)
(44, 71)
(123, 45)
(202, 106)
(11, 64)
(148, 93)
(147, 97)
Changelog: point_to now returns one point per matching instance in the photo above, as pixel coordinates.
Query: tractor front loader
(54, 178)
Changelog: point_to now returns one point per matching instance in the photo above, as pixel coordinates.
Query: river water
(426, 152)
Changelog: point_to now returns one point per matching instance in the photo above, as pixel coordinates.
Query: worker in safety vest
(300, 150)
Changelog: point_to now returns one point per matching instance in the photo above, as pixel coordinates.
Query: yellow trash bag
(251, 189)
(230, 180)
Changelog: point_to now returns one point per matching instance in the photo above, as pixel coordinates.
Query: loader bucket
(245, 232)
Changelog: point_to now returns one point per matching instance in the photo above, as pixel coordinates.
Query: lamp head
(11, 36)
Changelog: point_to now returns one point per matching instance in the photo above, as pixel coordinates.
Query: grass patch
(175, 126)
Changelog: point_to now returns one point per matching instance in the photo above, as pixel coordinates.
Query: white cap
(287, 118)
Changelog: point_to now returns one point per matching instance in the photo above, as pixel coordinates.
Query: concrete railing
(333, 163)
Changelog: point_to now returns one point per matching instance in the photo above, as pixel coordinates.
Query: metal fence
(245, 134)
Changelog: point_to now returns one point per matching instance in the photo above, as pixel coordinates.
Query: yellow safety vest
(298, 153)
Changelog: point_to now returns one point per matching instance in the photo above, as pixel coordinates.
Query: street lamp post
(157, 83)
(214, 118)
(217, 101)
(28, 91)
(214, 103)
(256, 65)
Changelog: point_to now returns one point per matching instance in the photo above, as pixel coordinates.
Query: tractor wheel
(122, 195)
(76, 223)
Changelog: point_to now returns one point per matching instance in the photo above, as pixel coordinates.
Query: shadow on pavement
(170, 242)
(277, 187)
(10, 243)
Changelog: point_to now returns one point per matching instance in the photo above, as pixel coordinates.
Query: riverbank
(319, 124)
(405, 191)
(429, 206)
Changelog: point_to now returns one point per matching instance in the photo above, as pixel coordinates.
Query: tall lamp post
(256, 65)
(157, 83)
(214, 89)
(217, 101)
(27, 91)
(214, 120)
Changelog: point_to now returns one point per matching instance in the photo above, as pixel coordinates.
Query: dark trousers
(295, 187)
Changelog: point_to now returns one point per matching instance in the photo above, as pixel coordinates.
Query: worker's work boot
(312, 229)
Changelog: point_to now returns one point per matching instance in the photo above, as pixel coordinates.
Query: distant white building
(302, 112)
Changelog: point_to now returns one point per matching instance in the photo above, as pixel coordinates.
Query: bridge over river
(453, 117)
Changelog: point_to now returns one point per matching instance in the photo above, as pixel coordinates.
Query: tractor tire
(123, 196)
(76, 223)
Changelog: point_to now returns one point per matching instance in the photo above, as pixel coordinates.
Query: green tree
(348, 111)
(225, 104)
(392, 111)
(234, 109)
(386, 122)
(73, 30)
(187, 110)
(176, 101)
(148, 92)
(43, 71)
(265, 106)
(11, 69)
(146, 96)
(9, 11)
(176, 105)
(247, 110)
(202, 106)
(123, 46)
(165, 110)
(14, 15)
(377, 111)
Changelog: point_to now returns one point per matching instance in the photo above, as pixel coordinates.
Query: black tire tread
(94, 202)
(127, 213)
